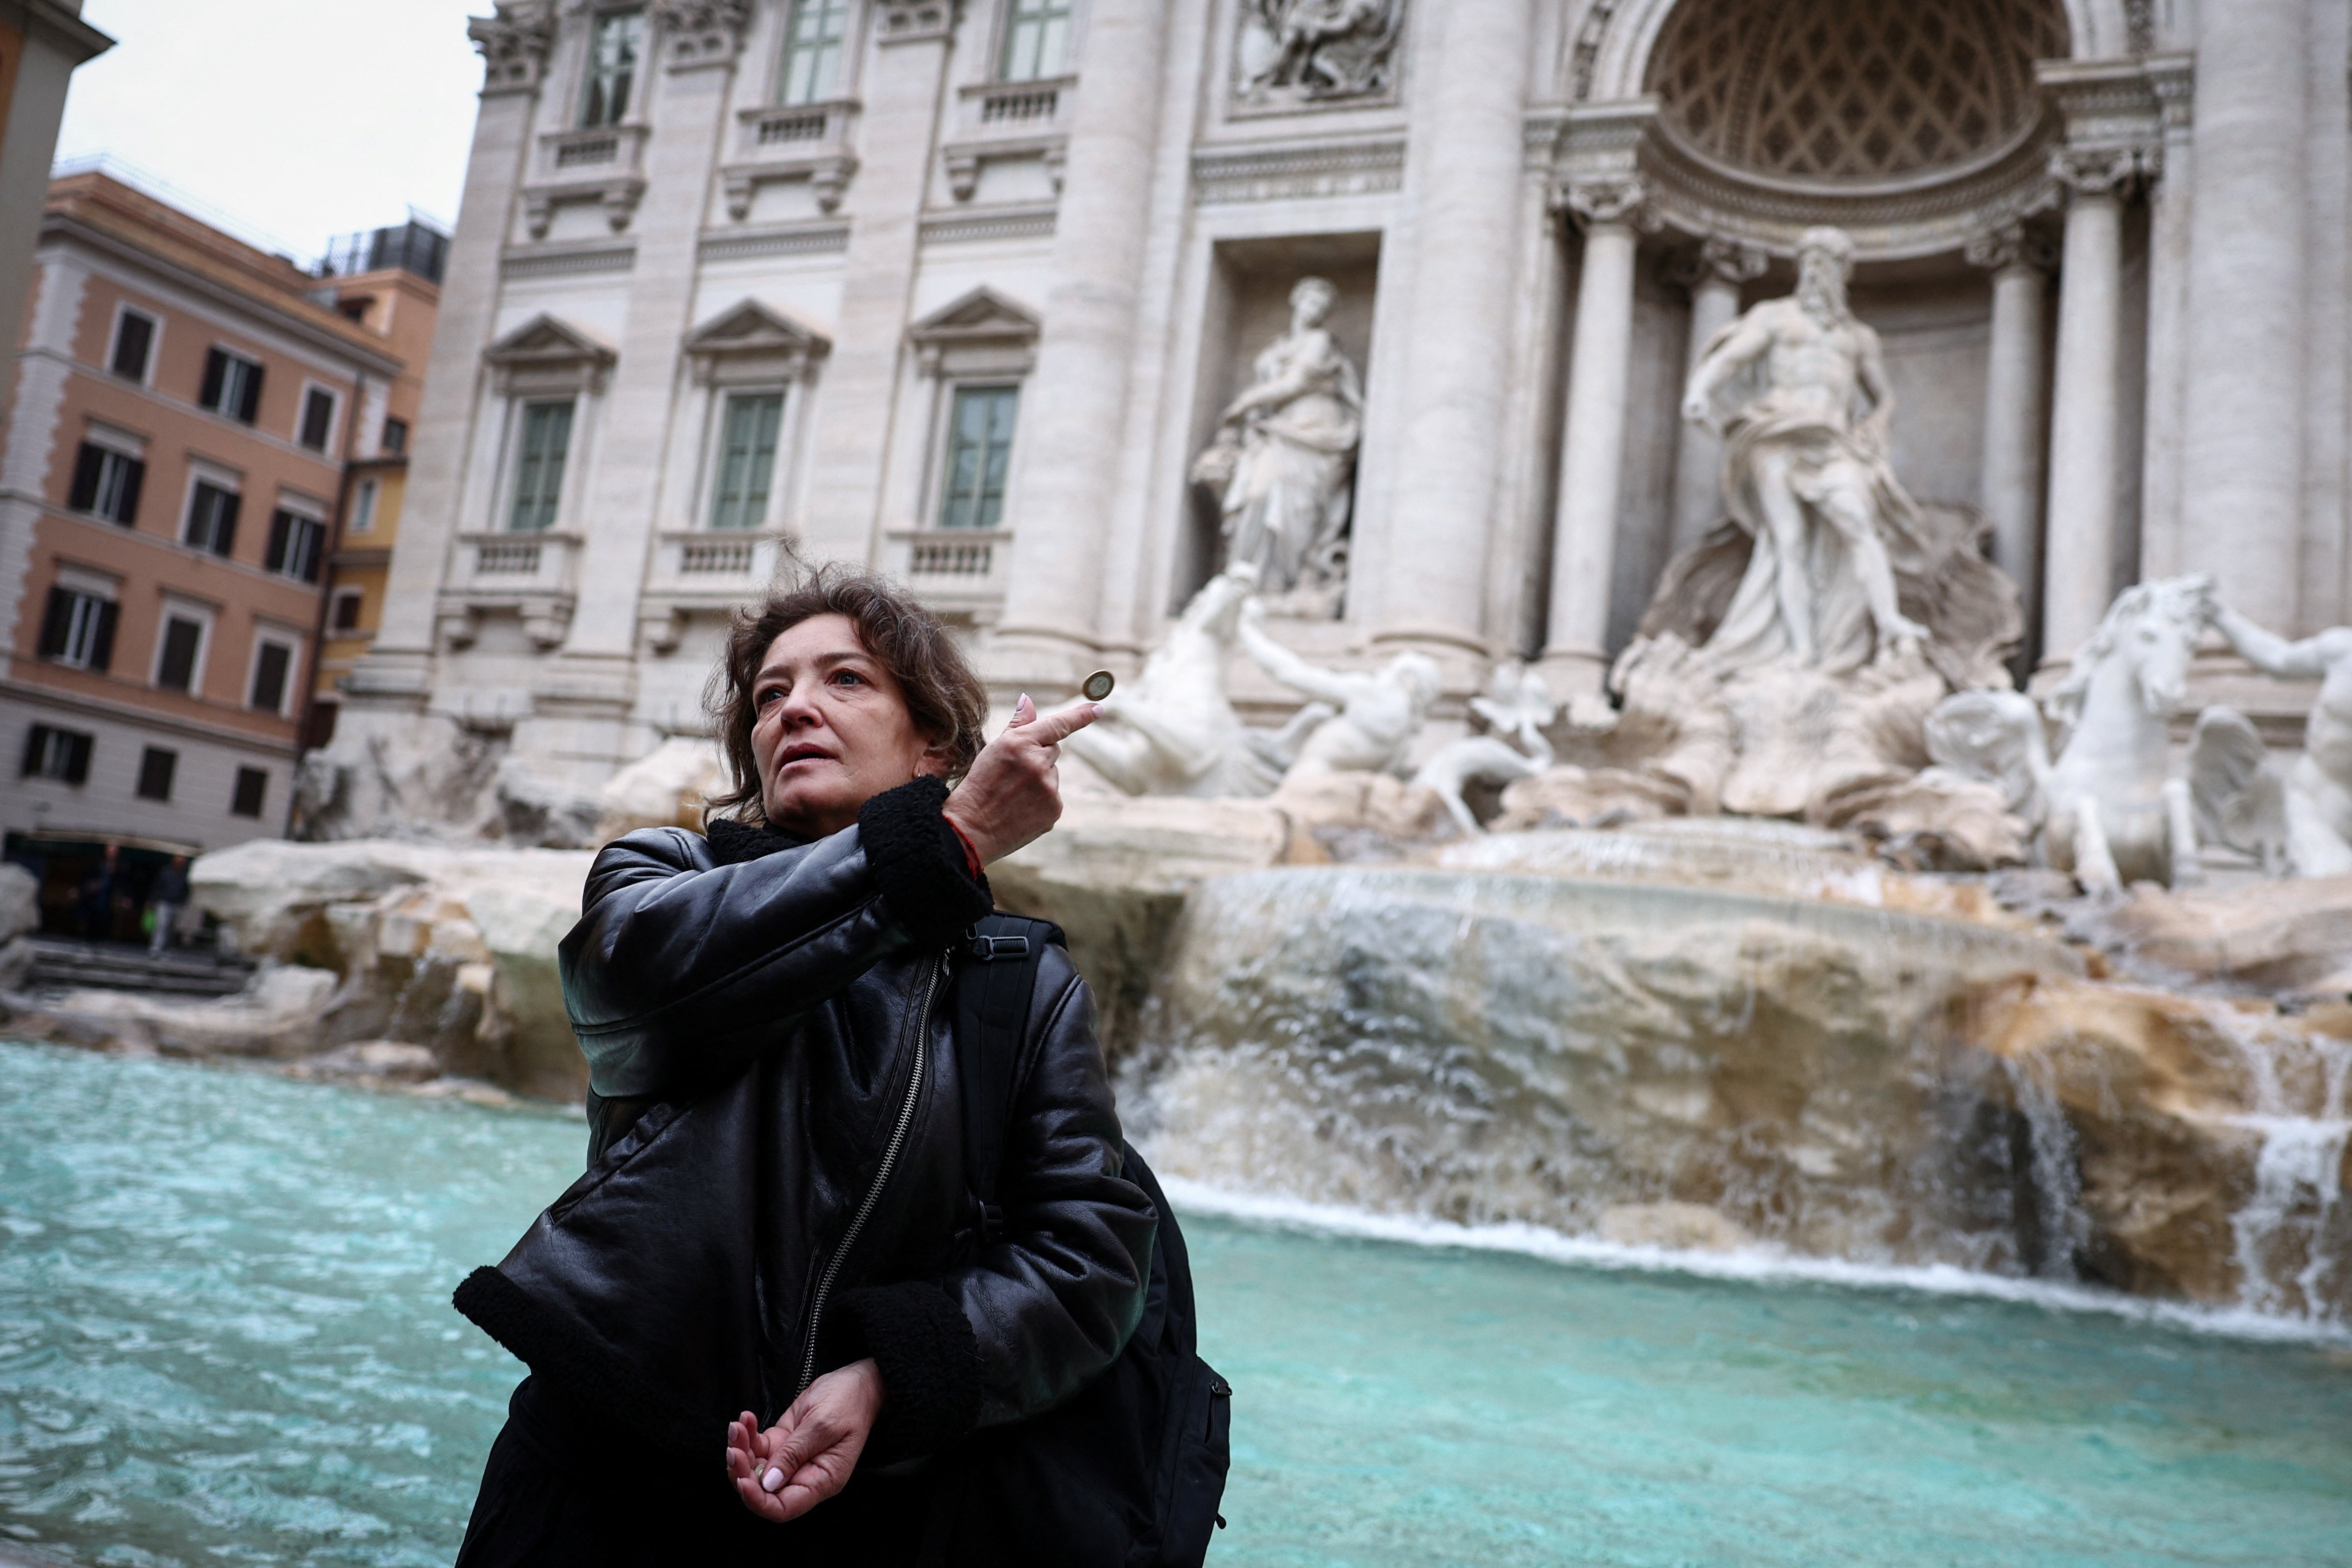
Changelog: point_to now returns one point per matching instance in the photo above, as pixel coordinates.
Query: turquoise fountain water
(225, 1337)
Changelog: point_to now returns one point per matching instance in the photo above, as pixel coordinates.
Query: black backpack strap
(995, 975)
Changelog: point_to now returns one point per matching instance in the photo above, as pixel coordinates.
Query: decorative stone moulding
(806, 142)
(701, 33)
(981, 332)
(753, 342)
(548, 354)
(1009, 122)
(604, 164)
(2011, 245)
(514, 41)
(1293, 172)
(911, 21)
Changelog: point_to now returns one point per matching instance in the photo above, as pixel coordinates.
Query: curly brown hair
(945, 699)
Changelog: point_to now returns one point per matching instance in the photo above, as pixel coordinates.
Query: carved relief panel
(1292, 54)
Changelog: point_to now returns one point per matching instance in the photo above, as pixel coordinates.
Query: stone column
(1075, 412)
(594, 677)
(901, 94)
(2169, 77)
(396, 671)
(2241, 443)
(1722, 265)
(1427, 584)
(2080, 558)
(1593, 442)
(2010, 486)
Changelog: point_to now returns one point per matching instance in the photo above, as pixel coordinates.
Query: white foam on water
(1753, 1265)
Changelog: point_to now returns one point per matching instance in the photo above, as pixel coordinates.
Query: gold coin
(1097, 686)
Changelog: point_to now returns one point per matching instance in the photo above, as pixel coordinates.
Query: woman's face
(832, 730)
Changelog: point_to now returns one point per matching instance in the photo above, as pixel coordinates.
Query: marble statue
(1797, 390)
(1317, 49)
(2114, 811)
(1378, 713)
(1172, 729)
(2317, 793)
(1283, 460)
(1516, 707)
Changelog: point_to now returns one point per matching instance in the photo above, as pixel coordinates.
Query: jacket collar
(734, 842)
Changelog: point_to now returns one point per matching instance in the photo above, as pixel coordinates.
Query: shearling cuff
(929, 1361)
(919, 863)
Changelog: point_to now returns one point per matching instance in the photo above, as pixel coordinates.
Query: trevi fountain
(1817, 951)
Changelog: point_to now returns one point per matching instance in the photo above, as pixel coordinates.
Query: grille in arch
(1852, 90)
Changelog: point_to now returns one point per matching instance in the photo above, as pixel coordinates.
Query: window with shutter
(212, 517)
(134, 339)
(156, 767)
(395, 437)
(182, 641)
(747, 460)
(538, 466)
(980, 453)
(106, 484)
(54, 753)
(232, 385)
(252, 784)
(270, 667)
(363, 508)
(812, 45)
(318, 418)
(296, 545)
(78, 629)
(346, 616)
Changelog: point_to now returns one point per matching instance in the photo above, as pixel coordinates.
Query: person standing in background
(166, 898)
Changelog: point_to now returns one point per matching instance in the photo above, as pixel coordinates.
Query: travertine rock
(2292, 936)
(20, 902)
(1114, 874)
(666, 787)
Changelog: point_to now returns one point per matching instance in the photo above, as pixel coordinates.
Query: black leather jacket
(776, 1183)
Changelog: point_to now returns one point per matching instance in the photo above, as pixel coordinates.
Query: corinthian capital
(911, 21)
(2011, 245)
(2102, 170)
(702, 32)
(1608, 198)
(513, 41)
(1733, 260)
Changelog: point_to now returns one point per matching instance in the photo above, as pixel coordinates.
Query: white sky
(285, 121)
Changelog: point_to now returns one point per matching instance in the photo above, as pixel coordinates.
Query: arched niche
(1611, 44)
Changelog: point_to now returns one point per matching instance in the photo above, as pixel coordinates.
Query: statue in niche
(1317, 49)
(1282, 465)
(1797, 390)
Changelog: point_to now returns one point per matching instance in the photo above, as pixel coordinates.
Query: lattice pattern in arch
(1852, 90)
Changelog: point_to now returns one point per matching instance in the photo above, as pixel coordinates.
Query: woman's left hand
(807, 1455)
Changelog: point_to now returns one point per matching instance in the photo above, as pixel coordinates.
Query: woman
(775, 1219)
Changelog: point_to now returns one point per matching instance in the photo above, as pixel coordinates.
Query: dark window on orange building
(318, 418)
(134, 339)
(212, 517)
(396, 436)
(78, 629)
(183, 639)
(232, 385)
(106, 484)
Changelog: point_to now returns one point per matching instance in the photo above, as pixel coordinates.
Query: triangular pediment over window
(753, 327)
(549, 353)
(982, 316)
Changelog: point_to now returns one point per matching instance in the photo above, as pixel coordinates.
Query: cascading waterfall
(2290, 1234)
(2062, 1228)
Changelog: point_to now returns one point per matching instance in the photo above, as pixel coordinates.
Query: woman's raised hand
(808, 1455)
(1014, 792)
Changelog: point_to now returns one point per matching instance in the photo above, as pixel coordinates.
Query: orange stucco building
(183, 410)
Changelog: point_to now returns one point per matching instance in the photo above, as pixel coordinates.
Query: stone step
(63, 964)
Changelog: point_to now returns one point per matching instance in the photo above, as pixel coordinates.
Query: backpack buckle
(989, 949)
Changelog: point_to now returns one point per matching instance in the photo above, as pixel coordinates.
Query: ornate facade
(960, 287)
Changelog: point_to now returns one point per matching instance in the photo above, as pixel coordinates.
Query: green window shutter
(538, 467)
(747, 460)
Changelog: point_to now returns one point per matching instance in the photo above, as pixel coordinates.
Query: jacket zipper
(881, 1176)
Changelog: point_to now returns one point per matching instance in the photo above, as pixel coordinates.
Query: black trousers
(552, 1494)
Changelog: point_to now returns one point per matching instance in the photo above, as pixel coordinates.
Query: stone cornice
(701, 33)
(912, 21)
(1358, 167)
